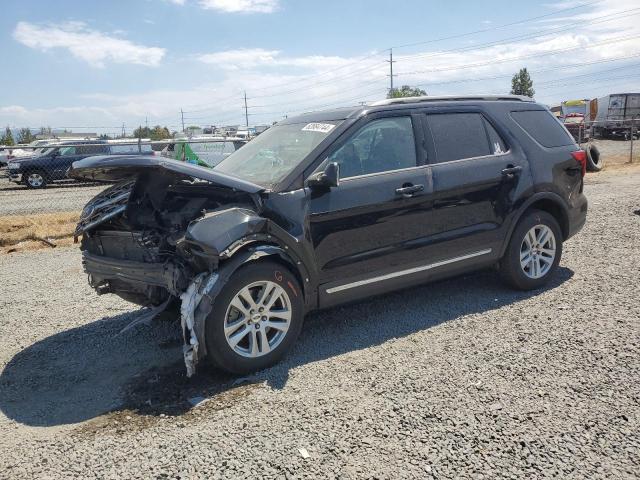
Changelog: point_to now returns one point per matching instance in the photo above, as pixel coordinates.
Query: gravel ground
(459, 379)
(59, 197)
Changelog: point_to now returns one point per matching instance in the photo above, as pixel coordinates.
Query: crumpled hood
(121, 167)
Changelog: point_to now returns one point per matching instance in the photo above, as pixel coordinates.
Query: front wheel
(35, 179)
(255, 319)
(534, 251)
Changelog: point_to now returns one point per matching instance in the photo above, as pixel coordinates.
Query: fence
(61, 197)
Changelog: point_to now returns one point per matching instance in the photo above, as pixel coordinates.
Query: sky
(95, 65)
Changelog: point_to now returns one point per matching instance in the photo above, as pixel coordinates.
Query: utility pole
(246, 110)
(146, 122)
(124, 132)
(182, 117)
(391, 61)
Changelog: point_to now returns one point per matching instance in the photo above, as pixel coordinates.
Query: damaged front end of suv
(168, 232)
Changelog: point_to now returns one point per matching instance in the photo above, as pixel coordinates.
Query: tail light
(581, 157)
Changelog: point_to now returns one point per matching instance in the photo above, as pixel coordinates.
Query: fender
(199, 298)
(536, 197)
(220, 236)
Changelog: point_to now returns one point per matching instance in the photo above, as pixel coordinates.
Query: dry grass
(29, 232)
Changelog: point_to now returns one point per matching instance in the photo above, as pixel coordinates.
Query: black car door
(63, 159)
(365, 227)
(476, 177)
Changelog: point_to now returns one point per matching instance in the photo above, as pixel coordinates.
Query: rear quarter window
(543, 127)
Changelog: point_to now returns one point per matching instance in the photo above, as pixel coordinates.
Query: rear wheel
(256, 318)
(35, 179)
(534, 251)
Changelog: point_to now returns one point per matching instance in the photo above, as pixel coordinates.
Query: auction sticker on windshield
(318, 127)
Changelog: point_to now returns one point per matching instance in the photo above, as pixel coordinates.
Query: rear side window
(92, 149)
(457, 136)
(543, 127)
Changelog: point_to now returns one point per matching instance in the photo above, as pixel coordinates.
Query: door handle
(511, 170)
(409, 190)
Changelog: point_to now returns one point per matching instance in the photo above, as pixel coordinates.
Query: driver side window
(381, 145)
(66, 151)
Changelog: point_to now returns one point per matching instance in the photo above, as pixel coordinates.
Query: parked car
(332, 207)
(206, 152)
(13, 152)
(50, 164)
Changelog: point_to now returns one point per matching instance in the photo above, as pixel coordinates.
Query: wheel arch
(257, 251)
(548, 202)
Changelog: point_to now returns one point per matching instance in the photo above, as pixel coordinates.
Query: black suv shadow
(87, 371)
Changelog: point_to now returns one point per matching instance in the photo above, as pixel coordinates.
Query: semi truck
(614, 116)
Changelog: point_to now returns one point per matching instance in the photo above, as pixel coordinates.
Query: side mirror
(329, 178)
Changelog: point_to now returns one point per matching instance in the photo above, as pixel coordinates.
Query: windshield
(270, 157)
(42, 151)
(568, 109)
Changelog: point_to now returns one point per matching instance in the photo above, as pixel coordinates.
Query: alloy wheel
(257, 319)
(538, 251)
(35, 180)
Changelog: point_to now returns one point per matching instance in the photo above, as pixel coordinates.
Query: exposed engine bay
(145, 222)
(158, 238)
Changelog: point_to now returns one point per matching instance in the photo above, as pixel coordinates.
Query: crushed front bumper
(104, 270)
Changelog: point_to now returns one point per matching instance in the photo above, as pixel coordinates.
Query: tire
(522, 277)
(35, 179)
(250, 331)
(595, 162)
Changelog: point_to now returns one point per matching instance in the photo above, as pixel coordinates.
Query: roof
(350, 112)
(451, 98)
(322, 115)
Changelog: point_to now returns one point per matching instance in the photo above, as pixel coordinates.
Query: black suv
(51, 163)
(331, 207)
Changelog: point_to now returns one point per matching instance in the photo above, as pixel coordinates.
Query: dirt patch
(31, 232)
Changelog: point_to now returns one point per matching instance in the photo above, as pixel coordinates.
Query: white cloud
(241, 6)
(95, 48)
(251, 58)
(279, 84)
(177, 2)
(242, 58)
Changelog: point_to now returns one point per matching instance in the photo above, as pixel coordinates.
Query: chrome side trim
(409, 271)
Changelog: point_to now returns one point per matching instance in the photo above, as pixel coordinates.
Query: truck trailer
(614, 116)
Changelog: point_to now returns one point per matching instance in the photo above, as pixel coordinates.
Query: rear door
(475, 178)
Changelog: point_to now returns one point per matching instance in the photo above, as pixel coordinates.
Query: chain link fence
(53, 198)
(40, 205)
(34, 180)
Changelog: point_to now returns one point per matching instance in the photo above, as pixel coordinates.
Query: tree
(25, 136)
(521, 84)
(155, 133)
(406, 91)
(160, 133)
(7, 138)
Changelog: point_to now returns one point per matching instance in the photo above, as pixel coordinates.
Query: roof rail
(449, 98)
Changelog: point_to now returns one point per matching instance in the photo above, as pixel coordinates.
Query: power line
(509, 75)
(488, 29)
(594, 21)
(523, 57)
